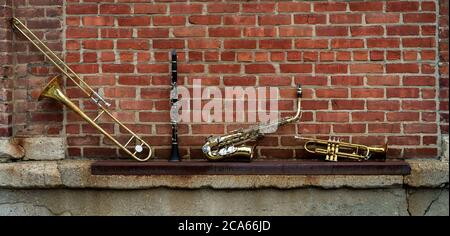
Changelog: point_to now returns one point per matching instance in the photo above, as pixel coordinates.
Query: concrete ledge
(76, 174)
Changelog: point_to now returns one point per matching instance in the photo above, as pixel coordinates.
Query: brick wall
(443, 64)
(32, 70)
(6, 70)
(369, 69)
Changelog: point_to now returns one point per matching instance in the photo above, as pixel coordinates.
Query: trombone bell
(53, 90)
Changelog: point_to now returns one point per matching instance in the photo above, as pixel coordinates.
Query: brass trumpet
(334, 148)
(142, 151)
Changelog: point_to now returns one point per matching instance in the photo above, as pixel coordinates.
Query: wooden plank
(250, 168)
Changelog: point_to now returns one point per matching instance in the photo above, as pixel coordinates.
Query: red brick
(120, 92)
(81, 33)
(191, 68)
(152, 68)
(85, 68)
(310, 19)
(153, 33)
(294, 7)
(383, 80)
(402, 116)
(382, 18)
(311, 80)
(368, 116)
(81, 9)
(366, 6)
(204, 44)
(115, 9)
(239, 20)
(311, 43)
(259, 68)
(169, 20)
(295, 31)
(347, 43)
(137, 44)
(222, 7)
(331, 68)
(366, 30)
(208, 129)
(150, 9)
(420, 128)
(404, 140)
(390, 128)
(239, 43)
(136, 105)
(347, 104)
(418, 105)
(332, 93)
(419, 18)
(98, 20)
(258, 7)
(116, 33)
(224, 68)
(419, 42)
(205, 20)
(402, 68)
(239, 80)
(294, 56)
(134, 80)
(345, 18)
(225, 32)
(332, 116)
(330, 6)
(326, 56)
(402, 92)
(117, 68)
(274, 20)
(383, 42)
(295, 68)
(275, 81)
(134, 21)
(419, 81)
(189, 32)
(185, 8)
(403, 30)
(366, 68)
(429, 30)
(383, 105)
(331, 31)
(367, 93)
(347, 80)
(275, 44)
(421, 152)
(349, 128)
(154, 93)
(314, 129)
(428, 6)
(259, 31)
(402, 6)
(98, 44)
(168, 43)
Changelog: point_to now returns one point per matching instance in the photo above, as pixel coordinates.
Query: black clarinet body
(174, 155)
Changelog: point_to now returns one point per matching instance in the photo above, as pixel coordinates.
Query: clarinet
(174, 155)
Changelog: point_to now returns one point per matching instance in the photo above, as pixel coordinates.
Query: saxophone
(232, 145)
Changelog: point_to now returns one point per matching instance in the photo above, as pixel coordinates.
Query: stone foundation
(67, 188)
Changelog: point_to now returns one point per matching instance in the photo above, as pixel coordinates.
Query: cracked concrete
(163, 201)
(68, 188)
(427, 202)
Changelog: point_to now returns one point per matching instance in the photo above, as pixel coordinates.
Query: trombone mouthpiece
(299, 91)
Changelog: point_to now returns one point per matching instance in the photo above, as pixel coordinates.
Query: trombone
(53, 90)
